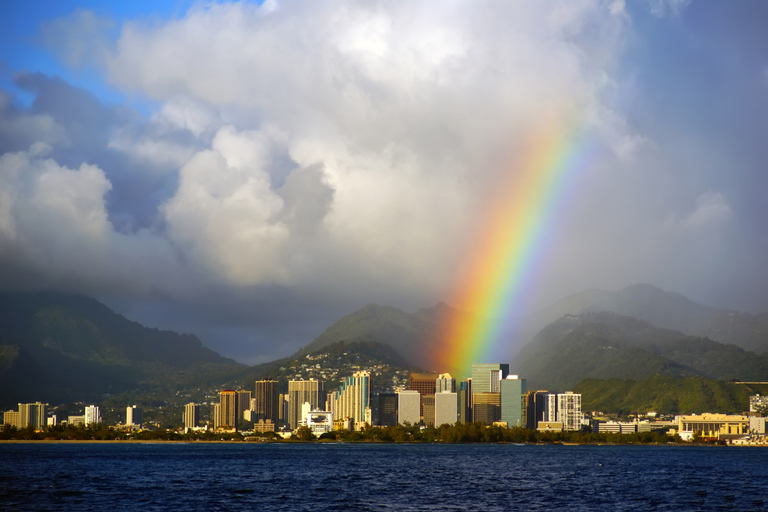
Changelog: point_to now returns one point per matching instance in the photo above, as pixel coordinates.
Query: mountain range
(57, 347)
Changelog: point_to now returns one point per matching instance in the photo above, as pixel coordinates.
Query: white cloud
(712, 210)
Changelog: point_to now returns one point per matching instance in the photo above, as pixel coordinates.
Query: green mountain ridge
(663, 309)
(56, 347)
(607, 345)
(413, 336)
(666, 395)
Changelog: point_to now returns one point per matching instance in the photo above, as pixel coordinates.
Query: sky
(251, 172)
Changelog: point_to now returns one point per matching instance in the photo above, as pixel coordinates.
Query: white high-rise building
(446, 408)
(569, 410)
(134, 416)
(408, 403)
(191, 416)
(352, 399)
(92, 415)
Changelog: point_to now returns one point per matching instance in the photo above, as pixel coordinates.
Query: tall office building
(32, 415)
(352, 399)
(487, 377)
(425, 384)
(266, 400)
(134, 416)
(408, 403)
(387, 409)
(228, 410)
(445, 383)
(446, 408)
(300, 391)
(92, 415)
(569, 410)
(535, 408)
(512, 397)
(465, 401)
(191, 416)
(487, 407)
(243, 403)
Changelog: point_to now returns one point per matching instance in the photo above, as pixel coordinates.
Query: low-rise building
(712, 426)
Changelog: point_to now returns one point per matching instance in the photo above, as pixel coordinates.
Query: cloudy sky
(251, 172)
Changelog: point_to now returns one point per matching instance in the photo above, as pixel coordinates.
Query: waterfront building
(408, 404)
(487, 407)
(446, 408)
(535, 408)
(32, 415)
(319, 422)
(92, 415)
(352, 399)
(134, 416)
(11, 418)
(263, 426)
(300, 391)
(512, 397)
(51, 421)
(387, 409)
(465, 401)
(227, 414)
(76, 420)
(712, 426)
(266, 400)
(615, 427)
(191, 416)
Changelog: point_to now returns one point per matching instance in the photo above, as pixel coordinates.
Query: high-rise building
(300, 391)
(387, 409)
(228, 410)
(445, 383)
(408, 403)
(266, 400)
(465, 401)
(243, 402)
(487, 377)
(487, 407)
(191, 416)
(428, 410)
(512, 397)
(425, 384)
(32, 415)
(446, 408)
(352, 398)
(535, 408)
(134, 416)
(569, 410)
(92, 415)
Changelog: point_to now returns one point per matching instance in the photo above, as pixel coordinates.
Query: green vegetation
(666, 395)
(459, 433)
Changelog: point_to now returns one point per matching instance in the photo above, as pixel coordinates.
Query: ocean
(409, 477)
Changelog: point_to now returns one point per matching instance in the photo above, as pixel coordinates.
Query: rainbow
(514, 238)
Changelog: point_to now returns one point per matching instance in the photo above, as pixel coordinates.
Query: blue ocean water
(324, 477)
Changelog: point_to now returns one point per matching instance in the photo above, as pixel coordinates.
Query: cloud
(712, 210)
(662, 8)
(297, 163)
